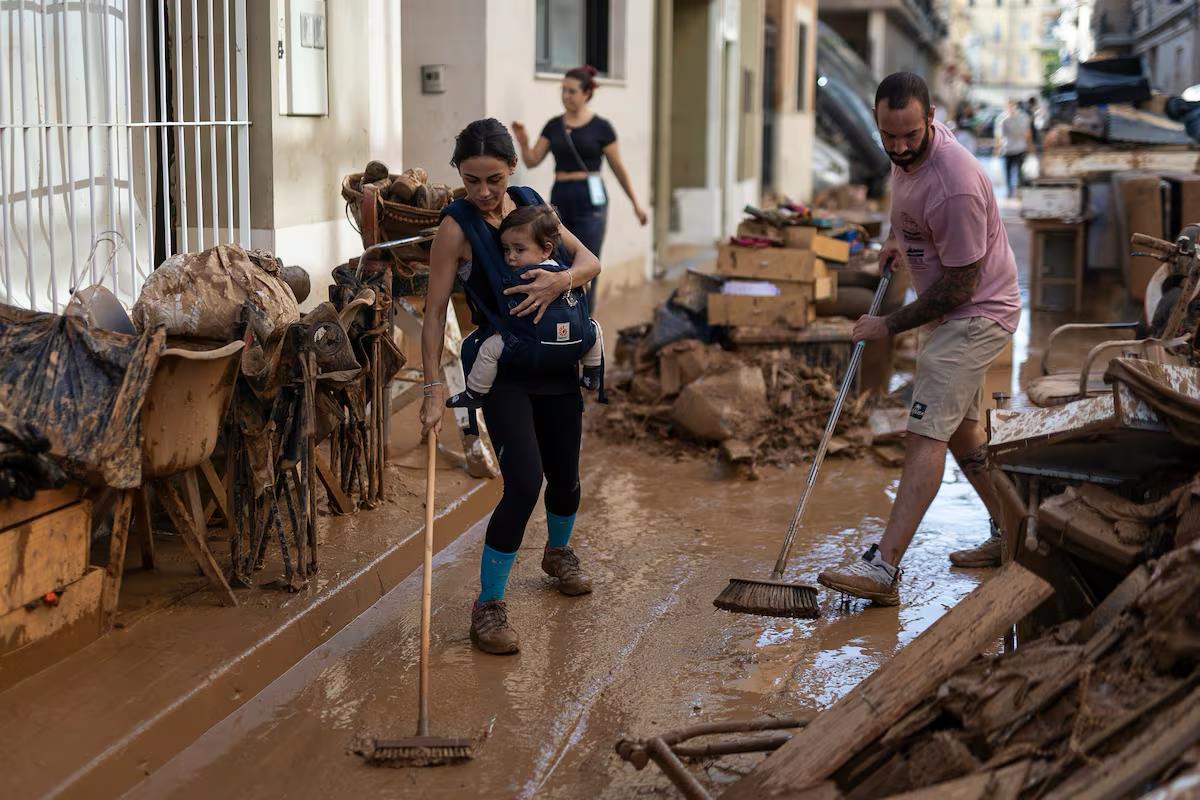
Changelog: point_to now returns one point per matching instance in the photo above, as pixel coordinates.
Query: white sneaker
(870, 578)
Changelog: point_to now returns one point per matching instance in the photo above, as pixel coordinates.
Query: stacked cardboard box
(788, 280)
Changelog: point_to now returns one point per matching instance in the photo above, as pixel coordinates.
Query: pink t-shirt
(944, 215)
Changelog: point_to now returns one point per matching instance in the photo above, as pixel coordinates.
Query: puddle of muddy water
(647, 651)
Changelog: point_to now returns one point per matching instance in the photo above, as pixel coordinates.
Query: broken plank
(872, 707)
(337, 497)
(1000, 784)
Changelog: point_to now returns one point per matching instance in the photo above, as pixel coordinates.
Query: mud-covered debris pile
(1106, 706)
(758, 406)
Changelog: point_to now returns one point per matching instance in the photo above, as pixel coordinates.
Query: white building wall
(514, 91)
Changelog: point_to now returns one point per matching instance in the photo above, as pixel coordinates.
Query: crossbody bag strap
(571, 144)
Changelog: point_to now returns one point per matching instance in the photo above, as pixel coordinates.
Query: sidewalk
(100, 720)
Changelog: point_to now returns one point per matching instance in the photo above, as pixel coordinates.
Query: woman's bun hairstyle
(586, 75)
(484, 137)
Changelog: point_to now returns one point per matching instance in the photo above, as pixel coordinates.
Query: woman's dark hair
(586, 75)
(542, 221)
(484, 137)
(899, 88)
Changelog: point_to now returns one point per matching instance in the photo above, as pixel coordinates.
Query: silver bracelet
(425, 389)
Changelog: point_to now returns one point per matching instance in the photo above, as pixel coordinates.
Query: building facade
(889, 35)
(178, 133)
(1007, 45)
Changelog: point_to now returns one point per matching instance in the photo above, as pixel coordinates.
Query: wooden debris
(877, 703)
(890, 455)
(888, 425)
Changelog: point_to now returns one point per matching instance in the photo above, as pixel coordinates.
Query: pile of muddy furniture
(213, 409)
(1073, 671)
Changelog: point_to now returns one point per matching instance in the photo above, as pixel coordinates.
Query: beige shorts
(952, 361)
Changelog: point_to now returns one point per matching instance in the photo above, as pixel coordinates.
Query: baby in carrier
(529, 235)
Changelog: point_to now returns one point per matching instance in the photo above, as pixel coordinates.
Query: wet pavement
(646, 652)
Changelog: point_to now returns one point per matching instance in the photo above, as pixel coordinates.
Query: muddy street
(646, 651)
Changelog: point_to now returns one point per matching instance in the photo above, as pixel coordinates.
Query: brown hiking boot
(869, 578)
(562, 563)
(984, 555)
(490, 631)
(980, 556)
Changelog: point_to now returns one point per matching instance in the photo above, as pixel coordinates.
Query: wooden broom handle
(427, 589)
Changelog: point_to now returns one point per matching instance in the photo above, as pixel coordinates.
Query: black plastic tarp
(82, 388)
(1113, 80)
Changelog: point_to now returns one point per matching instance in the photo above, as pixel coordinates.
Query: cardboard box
(769, 263)
(799, 236)
(738, 310)
(1053, 198)
(831, 249)
(823, 288)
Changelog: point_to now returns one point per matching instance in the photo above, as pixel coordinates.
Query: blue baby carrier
(565, 332)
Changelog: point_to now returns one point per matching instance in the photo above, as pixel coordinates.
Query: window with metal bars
(125, 136)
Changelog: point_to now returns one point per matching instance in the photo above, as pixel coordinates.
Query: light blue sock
(493, 573)
(560, 529)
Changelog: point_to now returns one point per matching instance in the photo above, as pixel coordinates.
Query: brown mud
(646, 651)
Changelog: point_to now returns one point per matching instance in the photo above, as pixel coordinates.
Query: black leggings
(534, 435)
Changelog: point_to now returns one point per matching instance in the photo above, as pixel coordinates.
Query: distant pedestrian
(579, 140)
(1014, 138)
(946, 229)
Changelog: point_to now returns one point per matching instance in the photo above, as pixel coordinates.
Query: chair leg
(111, 592)
(141, 524)
(190, 531)
(216, 486)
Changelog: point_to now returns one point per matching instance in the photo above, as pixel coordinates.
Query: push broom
(776, 597)
(421, 750)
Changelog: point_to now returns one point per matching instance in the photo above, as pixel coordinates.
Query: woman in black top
(535, 420)
(579, 139)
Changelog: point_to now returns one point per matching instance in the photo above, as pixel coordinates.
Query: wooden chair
(181, 421)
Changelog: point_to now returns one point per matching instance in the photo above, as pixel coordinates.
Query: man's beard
(911, 156)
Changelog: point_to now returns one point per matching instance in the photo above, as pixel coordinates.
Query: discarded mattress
(200, 295)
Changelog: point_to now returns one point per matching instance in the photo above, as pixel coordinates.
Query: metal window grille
(124, 129)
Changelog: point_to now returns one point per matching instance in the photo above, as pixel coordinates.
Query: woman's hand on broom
(433, 409)
(544, 288)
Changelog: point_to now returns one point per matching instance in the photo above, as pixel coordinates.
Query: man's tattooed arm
(954, 288)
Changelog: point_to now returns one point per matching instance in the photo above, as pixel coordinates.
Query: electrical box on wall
(433, 79)
(301, 50)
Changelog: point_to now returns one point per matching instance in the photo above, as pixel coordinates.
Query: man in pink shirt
(946, 228)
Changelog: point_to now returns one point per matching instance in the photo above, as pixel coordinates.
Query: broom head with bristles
(416, 751)
(769, 598)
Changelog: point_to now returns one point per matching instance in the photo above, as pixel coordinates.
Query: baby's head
(529, 235)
